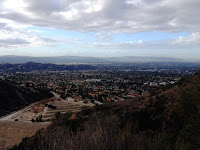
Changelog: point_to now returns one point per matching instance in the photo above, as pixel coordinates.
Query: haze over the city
(100, 28)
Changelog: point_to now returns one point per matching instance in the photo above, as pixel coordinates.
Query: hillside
(14, 97)
(30, 66)
(167, 119)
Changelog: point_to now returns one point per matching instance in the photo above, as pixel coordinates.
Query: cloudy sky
(101, 28)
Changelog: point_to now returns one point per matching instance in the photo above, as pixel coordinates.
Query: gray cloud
(13, 42)
(108, 15)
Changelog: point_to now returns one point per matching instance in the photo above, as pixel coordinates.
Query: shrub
(39, 118)
(51, 106)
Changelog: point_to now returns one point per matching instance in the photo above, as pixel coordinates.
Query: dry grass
(11, 133)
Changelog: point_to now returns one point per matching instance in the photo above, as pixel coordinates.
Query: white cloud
(193, 39)
(14, 35)
(104, 36)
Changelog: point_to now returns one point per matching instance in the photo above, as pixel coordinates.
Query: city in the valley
(99, 84)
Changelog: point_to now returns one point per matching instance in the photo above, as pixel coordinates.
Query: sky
(100, 28)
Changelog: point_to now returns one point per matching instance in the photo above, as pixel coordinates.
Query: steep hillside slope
(170, 119)
(13, 97)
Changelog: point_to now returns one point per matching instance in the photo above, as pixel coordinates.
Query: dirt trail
(16, 113)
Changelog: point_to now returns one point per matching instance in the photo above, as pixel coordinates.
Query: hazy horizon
(99, 28)
(181, 59)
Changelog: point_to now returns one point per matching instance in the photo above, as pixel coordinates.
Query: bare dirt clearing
(31, 112)
(62, 106)
(12, 133)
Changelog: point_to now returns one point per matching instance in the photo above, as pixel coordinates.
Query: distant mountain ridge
(30, 66)
(78, 59)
